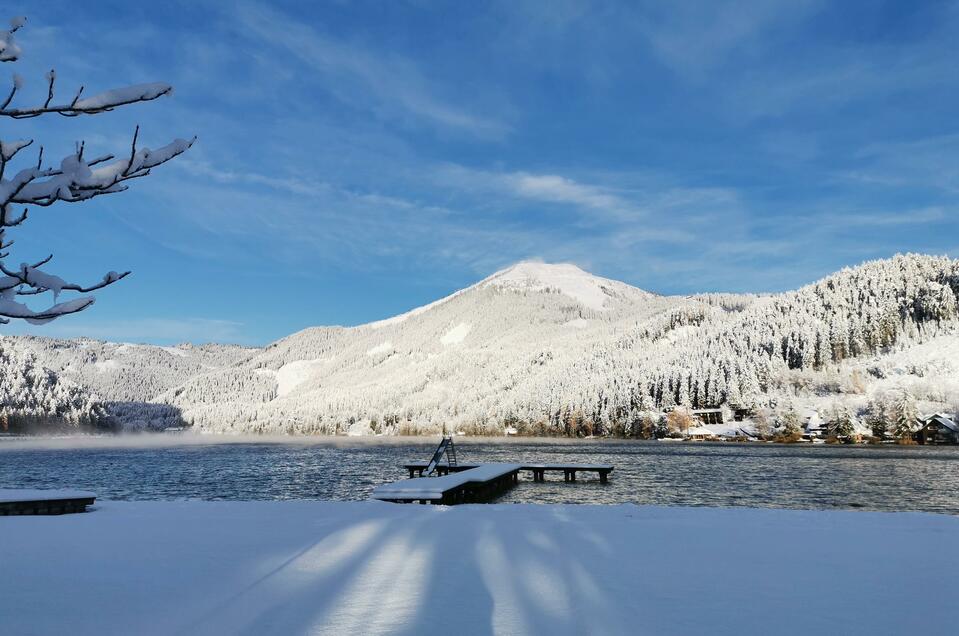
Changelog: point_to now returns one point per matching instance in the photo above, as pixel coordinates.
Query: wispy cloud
(362, 77)
(695, 38)
(291, 185)
(557, 189)
(930, 162)
(908, 216)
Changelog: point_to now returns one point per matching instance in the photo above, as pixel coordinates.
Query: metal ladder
(451, 452)
(445, 448)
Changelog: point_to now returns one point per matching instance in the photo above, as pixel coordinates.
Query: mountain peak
(570, 280)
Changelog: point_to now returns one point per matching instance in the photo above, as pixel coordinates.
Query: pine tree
(841, 424)
(790, 422)
(877, 419)
(662, 427)
(905, 416)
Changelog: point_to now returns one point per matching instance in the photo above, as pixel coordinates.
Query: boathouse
(937, 429)
(700, 433)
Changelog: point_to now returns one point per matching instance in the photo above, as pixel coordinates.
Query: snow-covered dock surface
(29, 501)
(9, 495)
(527, 466)
(302, 567)
(435, 487)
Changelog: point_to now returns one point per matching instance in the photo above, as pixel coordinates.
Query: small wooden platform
(44, 502)
(479, 484)
(538, 470)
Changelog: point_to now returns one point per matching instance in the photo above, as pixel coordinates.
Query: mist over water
(888, 478)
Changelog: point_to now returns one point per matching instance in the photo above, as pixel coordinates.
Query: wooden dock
(44, 502)
(538, 471)
(478, 484)
(470, 483)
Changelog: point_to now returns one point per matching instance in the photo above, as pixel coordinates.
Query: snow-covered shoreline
(288, 567)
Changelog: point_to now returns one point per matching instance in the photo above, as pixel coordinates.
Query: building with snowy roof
(937, 429)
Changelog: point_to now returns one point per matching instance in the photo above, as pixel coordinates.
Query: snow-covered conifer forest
(545, 349)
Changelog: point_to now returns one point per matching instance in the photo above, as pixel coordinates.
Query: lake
(890, 478)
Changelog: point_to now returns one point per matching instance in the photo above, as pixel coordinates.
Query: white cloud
(557, 189)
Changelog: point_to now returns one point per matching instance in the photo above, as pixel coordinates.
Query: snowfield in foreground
(300, 567)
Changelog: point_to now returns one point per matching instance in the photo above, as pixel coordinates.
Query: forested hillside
(549, 349)
(115, 382)
(33, 398)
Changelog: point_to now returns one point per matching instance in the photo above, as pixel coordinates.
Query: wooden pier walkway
(44, 502)
(538, 470)
(470, 483)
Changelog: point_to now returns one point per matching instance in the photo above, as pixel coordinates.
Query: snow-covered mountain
(551, 349)
(469, 358)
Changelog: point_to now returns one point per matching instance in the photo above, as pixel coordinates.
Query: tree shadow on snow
(415, 569)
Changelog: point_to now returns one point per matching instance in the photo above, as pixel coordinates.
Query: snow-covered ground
(299, 567)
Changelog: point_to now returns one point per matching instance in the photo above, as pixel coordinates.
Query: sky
(358, 159)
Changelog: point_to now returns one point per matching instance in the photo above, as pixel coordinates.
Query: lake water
(662, 473)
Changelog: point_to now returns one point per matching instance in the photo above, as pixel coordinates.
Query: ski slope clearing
(297, 567)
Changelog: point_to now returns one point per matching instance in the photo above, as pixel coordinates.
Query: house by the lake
(700, 433)
(937, 429)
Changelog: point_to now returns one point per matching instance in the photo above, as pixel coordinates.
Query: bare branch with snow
(77, 178)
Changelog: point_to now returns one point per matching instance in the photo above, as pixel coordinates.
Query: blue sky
(357, 159)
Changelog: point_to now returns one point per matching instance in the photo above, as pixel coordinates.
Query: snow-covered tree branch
(76, 178)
